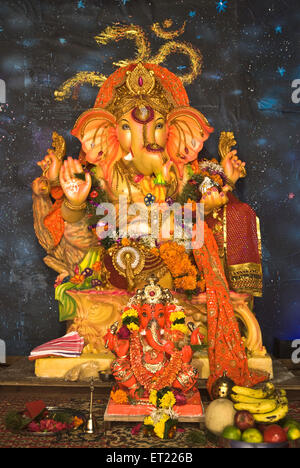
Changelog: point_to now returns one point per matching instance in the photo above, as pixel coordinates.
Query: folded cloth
(69, 345)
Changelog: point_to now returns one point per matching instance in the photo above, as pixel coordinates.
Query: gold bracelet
(55, 182)
(74, 207)
(230, 183)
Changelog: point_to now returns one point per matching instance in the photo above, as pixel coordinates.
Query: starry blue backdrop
(251, 67)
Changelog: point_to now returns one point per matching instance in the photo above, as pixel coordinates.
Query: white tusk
(128, 157)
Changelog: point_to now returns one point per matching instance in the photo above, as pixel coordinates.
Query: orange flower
(77, 422)
(195, 167)
(77, 279)
(218, 179)
(201, 285)
(125, 242)
(154, 251)
(97, 266)
(119, 397)
(186, 282)
(180, 265)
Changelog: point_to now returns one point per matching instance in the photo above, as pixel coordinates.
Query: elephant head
(142, 125)
(153, 323)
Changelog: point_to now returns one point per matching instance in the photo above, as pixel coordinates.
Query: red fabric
(242, 241)
(226, 350)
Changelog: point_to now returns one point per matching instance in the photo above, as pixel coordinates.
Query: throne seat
(98, 310)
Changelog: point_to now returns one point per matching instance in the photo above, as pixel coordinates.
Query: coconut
(219, 414)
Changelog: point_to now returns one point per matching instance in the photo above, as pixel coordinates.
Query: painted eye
(125, 127)
(144, 314)
(161, 315)
(159, 125)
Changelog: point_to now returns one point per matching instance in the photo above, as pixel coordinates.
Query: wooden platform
(191, 412)
(19, 376)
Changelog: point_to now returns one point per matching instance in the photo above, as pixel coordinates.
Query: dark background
(251, 57)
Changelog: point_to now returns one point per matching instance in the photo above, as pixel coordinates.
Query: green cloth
(67, 305)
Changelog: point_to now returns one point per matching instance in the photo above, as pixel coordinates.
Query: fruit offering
(266, 404)
(261, 417)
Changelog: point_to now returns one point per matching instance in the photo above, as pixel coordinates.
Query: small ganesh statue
(151, 348)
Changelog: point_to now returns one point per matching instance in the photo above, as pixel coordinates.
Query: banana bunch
(267, 404)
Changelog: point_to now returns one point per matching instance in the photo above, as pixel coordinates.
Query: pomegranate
(275, 434)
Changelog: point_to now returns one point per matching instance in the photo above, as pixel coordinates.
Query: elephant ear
(99, 124)
(188, 129)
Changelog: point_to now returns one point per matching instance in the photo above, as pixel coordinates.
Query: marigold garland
(165, 379)
(130, 319)
(184, 273)
(119, 397)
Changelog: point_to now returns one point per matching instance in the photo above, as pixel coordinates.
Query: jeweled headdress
(152, 294)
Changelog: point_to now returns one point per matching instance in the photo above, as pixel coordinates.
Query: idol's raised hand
(233, 167)
(213, 199)
(76, 190)
(50, 166)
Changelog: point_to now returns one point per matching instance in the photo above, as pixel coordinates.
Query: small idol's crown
(140, 81)
(152, 293)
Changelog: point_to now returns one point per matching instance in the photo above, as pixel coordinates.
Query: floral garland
(185, 274)
(147, 381)
(164, 398)
(162, 421)
(130, 319)
(199, 170)
(177, 319)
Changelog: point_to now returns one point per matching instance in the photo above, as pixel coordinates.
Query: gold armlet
(74, 207)
(230, 183)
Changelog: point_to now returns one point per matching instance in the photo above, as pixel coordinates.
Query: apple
(275, 434)
(244, 420)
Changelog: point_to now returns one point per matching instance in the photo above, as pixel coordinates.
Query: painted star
(278, 29)
(222, 6)
(281, 71)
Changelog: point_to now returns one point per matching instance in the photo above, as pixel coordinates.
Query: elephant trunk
(152, 336)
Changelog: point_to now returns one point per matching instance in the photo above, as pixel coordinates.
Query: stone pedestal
(58, 367)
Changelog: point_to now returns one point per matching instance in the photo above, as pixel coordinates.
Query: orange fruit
(232, 433)
(293, 433)
(253, 436)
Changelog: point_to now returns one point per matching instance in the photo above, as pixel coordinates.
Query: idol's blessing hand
(76, 190)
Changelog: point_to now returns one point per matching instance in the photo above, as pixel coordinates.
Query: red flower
(94, 194)
(34, 427)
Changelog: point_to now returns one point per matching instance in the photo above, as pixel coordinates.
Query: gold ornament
(140, 80)
(226, 143)
(222, 387)
(118, 32)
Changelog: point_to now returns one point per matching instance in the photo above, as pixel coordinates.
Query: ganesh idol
(142, 140)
